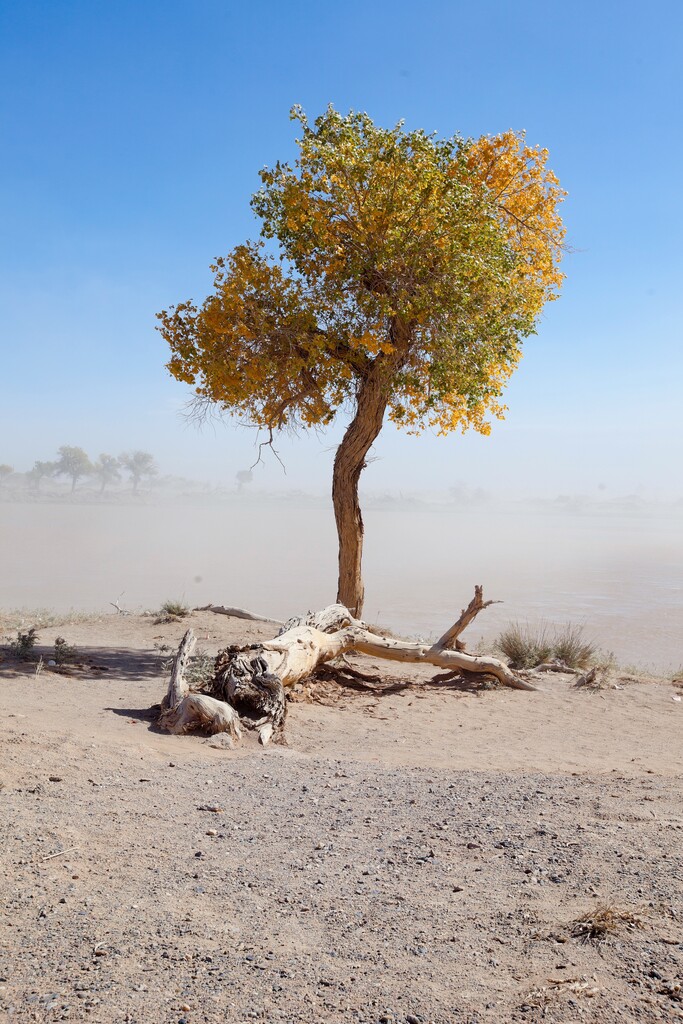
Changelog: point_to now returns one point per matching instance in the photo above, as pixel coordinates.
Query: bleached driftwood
(182, 711)
(249, 682)
(236, 613)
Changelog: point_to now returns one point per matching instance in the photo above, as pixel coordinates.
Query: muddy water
(620, 573)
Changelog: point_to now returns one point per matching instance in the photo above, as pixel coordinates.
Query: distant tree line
(75, 464)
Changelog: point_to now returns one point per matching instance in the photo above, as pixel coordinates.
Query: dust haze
(615, 566)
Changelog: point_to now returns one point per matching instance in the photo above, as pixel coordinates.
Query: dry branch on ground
(248, 688)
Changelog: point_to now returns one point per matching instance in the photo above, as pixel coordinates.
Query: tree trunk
(248, 685)
(371, 403)
(349, 463)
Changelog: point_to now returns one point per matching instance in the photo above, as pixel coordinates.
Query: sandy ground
(416, 855)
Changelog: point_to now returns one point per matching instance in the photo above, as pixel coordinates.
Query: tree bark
(349, 463)
(371, 403)
(248, 685)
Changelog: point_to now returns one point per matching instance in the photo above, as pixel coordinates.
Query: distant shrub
(527, 646)
(175, 608)
(22, 646)
(64, 652)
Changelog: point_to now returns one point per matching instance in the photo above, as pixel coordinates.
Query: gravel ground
(193, 884)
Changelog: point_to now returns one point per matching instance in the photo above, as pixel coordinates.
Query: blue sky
(133, 133)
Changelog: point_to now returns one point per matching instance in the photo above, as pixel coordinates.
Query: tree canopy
(138, 465)
(431, 257)
(107, 469)
(396, 274)
(73, 462)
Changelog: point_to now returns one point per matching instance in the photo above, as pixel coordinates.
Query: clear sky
(133, 132)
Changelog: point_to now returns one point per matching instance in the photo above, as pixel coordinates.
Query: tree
(72, 462)
(243, 476)
(107, 469)
(138, 465)
(40, 470)
(408, 271)
(5, 471)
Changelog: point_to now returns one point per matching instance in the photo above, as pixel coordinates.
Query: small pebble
(211, 832)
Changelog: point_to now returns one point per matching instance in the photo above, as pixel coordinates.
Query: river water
(617, 571)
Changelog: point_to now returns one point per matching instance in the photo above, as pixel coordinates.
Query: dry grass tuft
(597, 678)
(172, 610)
(527, 646)
(603, 920)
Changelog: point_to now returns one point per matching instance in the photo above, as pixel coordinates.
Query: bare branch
(467, 615)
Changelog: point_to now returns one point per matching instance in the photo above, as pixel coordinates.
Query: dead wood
(236, 613)
(248, 687)
(467, 615)
(177, 686)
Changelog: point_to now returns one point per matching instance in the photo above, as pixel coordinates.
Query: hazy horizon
(617, 572)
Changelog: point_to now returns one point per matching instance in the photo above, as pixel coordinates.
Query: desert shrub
(571, 647)
(64, 652)
(526, 646)
(22, 646)
(599, 676)
(200, 670)
(164, 657)
(178, 609)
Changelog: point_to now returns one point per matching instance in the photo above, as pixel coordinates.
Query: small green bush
(64, 652)
(22, 646)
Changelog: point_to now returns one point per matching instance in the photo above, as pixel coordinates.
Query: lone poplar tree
(397, 274)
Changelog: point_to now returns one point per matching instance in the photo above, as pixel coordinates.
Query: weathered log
(177, 686)
(248, 687)
(236, 613)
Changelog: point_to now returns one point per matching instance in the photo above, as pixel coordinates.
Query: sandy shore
(416, 855)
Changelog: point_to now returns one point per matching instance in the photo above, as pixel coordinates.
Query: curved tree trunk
(349, 463)
(371, 403)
